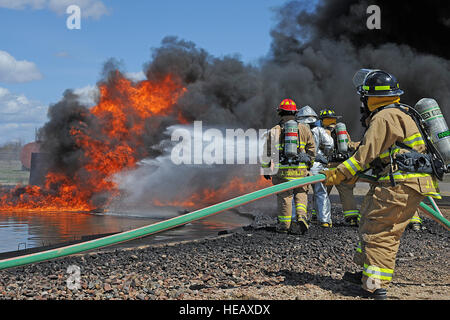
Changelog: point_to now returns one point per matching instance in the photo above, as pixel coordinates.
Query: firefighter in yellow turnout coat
(393, 200)
(282, 171)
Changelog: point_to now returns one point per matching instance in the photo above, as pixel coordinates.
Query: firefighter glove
(333, 177)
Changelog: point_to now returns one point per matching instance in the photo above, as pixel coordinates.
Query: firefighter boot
(378, 294)
(415, 223)
(353, 277)
(415, 226)
(284, 224)
(282, 228)
(353, 222)
(351, 217)
(299, 227)
(313, 216)
(326, 224)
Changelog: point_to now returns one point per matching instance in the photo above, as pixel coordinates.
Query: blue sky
(40, 57)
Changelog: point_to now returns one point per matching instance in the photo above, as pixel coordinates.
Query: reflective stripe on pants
(284, 200)
(346, 195)
(385, 214)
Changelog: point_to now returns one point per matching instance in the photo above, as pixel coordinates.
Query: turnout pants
(284, 200)
(385, 213)
(348, 201)
(416, 218)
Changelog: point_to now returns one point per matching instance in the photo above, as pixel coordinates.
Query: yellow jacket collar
(374, 103)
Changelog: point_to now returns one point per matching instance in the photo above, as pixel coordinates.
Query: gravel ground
(252, 263)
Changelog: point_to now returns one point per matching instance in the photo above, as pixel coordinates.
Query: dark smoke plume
(218, 90)
(421, 25)
(329, 44)
(313, 57)
(55, 135)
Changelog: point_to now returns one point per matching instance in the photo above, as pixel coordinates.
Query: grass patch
(11, 173)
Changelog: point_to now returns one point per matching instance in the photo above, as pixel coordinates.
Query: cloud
(89, 8)
(13, 71)
(136, 76)
(88, 95)
(19, 117)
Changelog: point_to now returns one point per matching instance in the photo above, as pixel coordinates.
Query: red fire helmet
(288, 105)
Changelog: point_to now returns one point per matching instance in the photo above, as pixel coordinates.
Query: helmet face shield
(360, 76)
(306, 120)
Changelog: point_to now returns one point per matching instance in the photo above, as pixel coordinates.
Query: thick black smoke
(314, 55)
(218, 90)
(422, 25)
(56, 136)
(326, 46)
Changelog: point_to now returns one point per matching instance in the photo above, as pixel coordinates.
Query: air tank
(290, 138)
(435, 125)
(342, 137)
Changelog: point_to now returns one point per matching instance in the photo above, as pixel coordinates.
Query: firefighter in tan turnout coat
(393, 200)
(345, 190)
(279, 168)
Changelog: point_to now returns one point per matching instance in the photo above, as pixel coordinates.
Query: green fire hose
(435, 214)
(159, 226)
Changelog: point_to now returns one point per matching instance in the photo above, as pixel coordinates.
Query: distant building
(25, 154)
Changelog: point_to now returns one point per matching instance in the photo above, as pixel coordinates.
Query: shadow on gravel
(337, 286)
(291, 278)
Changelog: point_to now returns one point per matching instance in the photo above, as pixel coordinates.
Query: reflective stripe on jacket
(305, 144)
(386, 128)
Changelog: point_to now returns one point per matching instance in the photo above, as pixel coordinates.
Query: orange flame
(121, 114)
(206, 197)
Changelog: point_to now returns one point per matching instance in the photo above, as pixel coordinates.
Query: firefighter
(288, 152)
(324, 147)
(391, 135)
(346, 191)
